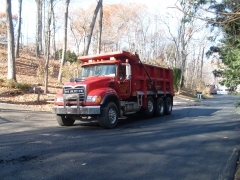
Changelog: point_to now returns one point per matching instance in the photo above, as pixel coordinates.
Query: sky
(29, 10)
(162, 4)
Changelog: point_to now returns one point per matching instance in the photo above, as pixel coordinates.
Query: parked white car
(223, 90)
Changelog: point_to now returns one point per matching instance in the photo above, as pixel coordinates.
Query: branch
(221, 13)
(205, 19)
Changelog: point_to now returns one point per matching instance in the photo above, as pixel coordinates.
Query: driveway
(199, 140)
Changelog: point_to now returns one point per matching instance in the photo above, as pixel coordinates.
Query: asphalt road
(200, 140)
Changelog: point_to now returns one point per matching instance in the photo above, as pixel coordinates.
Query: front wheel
(64, 120)
(109, 116)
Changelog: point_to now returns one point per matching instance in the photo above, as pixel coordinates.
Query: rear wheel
(149, 110)
(168, 105)
(64, 120)
(109, 116)
(159, 107)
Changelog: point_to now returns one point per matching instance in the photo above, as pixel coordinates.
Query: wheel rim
(112, 115)
(169, 106)
(160, 107)
(150, 106)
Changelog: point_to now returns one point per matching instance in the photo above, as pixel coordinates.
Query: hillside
(28, 71)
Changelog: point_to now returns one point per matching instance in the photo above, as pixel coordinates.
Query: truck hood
(96, 81)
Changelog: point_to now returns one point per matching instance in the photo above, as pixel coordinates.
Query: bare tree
(53, 36)
(186, 29)
(100, 29)
(229, 16)
(47, 44)
(11, 58)
(201, 67)
(79, 23)
(64, 40)
(39, 27)
(89, 37)
(18, 28)
(75, 37)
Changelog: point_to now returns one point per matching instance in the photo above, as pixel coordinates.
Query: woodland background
(199, 39)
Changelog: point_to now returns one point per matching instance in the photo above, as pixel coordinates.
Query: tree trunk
(194, 69)
(11, 58)
(183, 57)
(44, 38)
(201, 76)
(39, 28)
(53, 37)
(100, 30)
(92, 27)
(18, 28)
(48, 33)
(64, 41)
(40, 31)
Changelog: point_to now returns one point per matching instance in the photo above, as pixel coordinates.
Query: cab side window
(122, 72)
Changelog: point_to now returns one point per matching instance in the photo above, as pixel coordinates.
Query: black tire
(159, 107)
(149, 110)
(64, 120)
(109, 116)
(168, 105)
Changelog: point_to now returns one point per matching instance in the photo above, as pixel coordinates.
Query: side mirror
(128, 71)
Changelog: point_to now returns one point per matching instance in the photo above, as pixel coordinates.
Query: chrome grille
(75, 90)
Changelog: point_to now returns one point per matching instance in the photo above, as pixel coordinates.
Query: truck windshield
(99, 70)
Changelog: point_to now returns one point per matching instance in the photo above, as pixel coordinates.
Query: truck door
(124, 89)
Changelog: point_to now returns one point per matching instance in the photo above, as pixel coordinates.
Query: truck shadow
(136, 120)
(177, 115)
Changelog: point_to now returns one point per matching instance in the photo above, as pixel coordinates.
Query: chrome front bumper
(78, 110)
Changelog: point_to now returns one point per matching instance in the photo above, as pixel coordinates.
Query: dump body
(113, 85)
(161, 77)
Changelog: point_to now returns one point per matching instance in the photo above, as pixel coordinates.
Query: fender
(108, 95)
(111, 98)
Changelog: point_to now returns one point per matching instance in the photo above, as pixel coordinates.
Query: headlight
(94, 98)
(59, 99)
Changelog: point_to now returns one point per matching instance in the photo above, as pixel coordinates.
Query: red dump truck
(114, 85)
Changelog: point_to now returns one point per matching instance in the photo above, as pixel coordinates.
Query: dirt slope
(28, 71)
